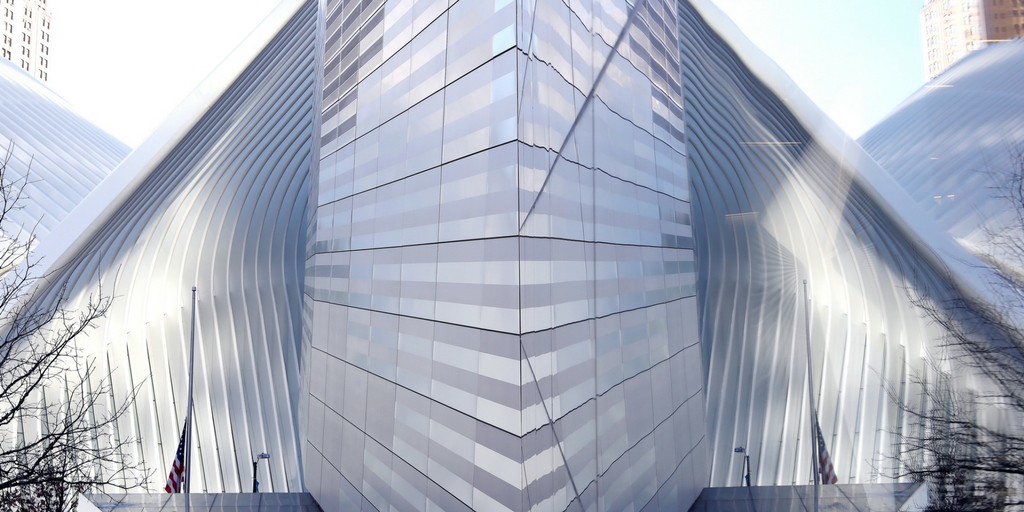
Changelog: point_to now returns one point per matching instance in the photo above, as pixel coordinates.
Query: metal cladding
(222, 205)
(950, 144)
(781, 195)
(500, 300)
(68, 155)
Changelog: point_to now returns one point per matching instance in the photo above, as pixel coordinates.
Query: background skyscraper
(26, 36)
(951, 29)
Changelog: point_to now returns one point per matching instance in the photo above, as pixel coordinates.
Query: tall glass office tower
(500, 281)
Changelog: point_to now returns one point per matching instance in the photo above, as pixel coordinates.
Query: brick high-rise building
(951, 29)
(25, 39)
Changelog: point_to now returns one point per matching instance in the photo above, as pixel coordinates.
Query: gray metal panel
(500, 282)
(224, 210)
(69, 156)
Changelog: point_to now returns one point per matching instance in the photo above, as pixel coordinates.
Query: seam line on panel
(609, 174)
(551, 423)
(651, 433)
(617, 384)
(510, 237)
(524, 434)
(529, 58)
(324, 458)
(505, 332)
(410, 107)
(389, 450)
(586, 103)
(417, 173)
(524, 483)
(676, 470)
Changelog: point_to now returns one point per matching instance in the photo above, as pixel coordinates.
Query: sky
(856, 59)
(125, 64)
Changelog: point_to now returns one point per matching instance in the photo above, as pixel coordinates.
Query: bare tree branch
(57, 427)
(965, 434)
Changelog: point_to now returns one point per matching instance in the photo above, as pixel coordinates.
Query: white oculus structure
(950, 144)
(68, 155)
(448, 257)
(781, 194)
(216, 198)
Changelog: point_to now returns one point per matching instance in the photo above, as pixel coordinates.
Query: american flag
(176, 477)
(828, 474)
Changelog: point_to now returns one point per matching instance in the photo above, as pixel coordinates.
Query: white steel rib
(216, 198)
(781, 194)
(68, 155)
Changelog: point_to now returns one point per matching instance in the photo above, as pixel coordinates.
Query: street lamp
(255, 484)
(746, 462)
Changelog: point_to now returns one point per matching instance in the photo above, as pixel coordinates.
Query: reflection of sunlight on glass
(741, 217)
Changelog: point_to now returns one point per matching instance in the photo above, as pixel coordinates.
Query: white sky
(857, 59)
(125, 64)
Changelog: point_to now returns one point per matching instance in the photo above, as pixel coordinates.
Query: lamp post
(255, 484)
(746, 463)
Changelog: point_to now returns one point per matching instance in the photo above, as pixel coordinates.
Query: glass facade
(500, 285)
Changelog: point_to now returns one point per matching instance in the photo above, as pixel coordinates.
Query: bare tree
(57, 417)
(966, 434)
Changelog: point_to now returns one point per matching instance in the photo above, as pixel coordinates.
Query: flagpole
(810, 395)
(188, 415)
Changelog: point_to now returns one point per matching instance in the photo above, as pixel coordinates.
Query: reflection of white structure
(216, 197)
(950, 143)
(781, 194)
(69, 156)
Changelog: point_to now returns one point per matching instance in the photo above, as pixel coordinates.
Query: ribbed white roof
(69, 156)
(215, 198)
(947, 144)
(967, 272)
